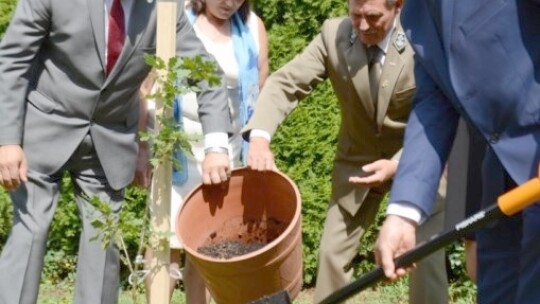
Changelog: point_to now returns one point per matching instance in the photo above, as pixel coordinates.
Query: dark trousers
(509, 249)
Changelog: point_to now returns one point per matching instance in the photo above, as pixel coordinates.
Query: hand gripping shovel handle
(507, 205)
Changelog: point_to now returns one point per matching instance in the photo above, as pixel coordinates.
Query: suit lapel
(356, 59)
(447, 16)
(139, 21)
(97, 21)
(393, 64)
(427, 41)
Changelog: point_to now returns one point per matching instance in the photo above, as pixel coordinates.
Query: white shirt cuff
(216, 139)
(260, 133)
(406, 210)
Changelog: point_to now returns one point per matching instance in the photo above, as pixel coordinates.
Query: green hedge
(63, 243)
(6, 7)
(304, 147)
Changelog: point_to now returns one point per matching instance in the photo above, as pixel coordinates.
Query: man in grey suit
(70, 73)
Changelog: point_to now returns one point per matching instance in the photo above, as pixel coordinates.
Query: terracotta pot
(252, 206)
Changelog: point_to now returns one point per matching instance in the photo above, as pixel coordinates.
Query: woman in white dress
(237, 38)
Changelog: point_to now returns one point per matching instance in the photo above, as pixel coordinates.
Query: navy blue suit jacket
(479, 59)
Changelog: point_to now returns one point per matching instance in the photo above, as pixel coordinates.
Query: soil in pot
(239, 236)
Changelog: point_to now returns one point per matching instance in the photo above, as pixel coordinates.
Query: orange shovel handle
(507, 204)
(517, 199)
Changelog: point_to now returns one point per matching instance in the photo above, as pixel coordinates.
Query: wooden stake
(161, 183)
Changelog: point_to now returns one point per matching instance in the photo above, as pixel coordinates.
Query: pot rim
(295, 220)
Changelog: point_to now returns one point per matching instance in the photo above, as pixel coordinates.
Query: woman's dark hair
(199, 6)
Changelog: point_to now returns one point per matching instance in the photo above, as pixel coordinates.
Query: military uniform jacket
(368, 131)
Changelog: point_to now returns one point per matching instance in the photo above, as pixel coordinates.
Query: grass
(395, 293)
(383, 295)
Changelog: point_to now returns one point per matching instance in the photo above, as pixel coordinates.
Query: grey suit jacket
(53, 87)
(368, 131)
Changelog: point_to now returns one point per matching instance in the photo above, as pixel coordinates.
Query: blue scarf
(247, 57)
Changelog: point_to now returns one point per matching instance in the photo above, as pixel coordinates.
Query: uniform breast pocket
(400, 105)
(403, 97)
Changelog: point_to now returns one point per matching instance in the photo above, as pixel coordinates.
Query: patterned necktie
(374, 61)
(117, 34)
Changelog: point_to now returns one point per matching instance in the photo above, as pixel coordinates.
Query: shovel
(507, 204)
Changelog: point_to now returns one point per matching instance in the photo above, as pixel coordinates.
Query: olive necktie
(374, 61)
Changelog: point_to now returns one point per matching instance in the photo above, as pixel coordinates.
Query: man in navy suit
(479, 60)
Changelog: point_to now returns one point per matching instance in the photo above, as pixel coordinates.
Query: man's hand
(143, 172)
(259, 156)
(397, 236)
(215, 168)
(13, 166)
(381, 171)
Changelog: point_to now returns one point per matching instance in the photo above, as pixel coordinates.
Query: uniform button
(493, 138)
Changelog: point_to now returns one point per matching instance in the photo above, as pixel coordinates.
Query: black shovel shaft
(422, 250)
(507, 204)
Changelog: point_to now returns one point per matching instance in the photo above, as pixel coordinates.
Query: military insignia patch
(400, 41)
